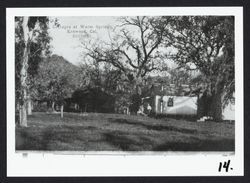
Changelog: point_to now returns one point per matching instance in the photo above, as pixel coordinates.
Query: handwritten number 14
(225, 165)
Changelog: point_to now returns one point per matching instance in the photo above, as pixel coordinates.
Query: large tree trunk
(29, 105)
(204, 105)
(23, 110)
(24, 74)
(53, 106)
(23, 116)
(85, 110)
(138, 84)
(62, 111)
(216, 105)
(211, 105)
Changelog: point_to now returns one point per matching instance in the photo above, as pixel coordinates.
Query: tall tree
(135, 48)
(31, 41)
(206, 44)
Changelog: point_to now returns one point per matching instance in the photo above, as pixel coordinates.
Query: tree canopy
(56, 79)
(206, 44)
(124, 66)
(134, 54)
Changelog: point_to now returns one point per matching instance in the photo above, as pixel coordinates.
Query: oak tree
(135, 48)
(206, 44)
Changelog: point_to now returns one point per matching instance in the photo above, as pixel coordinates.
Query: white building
(185, 105)
(176, 105)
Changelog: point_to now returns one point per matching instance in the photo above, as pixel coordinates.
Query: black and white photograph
(125, 83)
(146, 84)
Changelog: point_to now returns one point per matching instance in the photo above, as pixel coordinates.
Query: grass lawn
(116, 132)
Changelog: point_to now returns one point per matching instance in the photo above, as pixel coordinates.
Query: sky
(67, 38)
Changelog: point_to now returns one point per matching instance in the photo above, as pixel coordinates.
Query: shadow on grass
(198, 145)
(154, 127)
(88, 137)
(126, 142)
(41, 139)
(32, 141)
(137, 143)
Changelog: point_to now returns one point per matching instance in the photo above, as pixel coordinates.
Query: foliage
(56, 79)
(132, 53)
(206, 44)
(31, 43)
(122, 66)
(93, 100)
(109, 79)
(99, 75)
(39, 47)
(135, 56)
